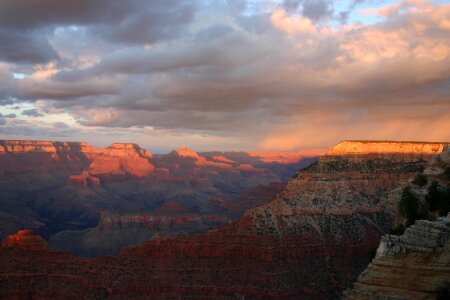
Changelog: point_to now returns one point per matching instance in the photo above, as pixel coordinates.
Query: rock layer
(415, 265)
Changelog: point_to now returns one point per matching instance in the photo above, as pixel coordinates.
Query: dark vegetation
(443, 292)
(420, 180)
(447, 173)
(410, 206)
(437, 202)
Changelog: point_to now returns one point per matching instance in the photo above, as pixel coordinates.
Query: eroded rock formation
(415, 265)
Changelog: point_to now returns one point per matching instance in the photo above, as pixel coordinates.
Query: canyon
(66, 190)
(311, 240)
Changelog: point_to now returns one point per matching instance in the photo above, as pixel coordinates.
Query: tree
(420, 180)
(444, 202)
(409, 206)
(433, 198)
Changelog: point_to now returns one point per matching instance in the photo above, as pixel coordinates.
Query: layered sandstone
(45, 156)
(415, 265)
(12, 146)
(391, 149)
(18, 157)
(115, 162)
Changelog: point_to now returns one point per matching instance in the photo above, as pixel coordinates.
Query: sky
(236, 75)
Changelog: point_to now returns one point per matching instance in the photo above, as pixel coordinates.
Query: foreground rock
(415, 265)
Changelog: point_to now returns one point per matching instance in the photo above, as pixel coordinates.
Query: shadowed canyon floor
(310, 241)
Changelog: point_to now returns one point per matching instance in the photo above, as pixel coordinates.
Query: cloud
(32, 113)
(36, 130)
(26, 25)
(135, 21)
(312, 9)
(3, 118)
(290, 24)
(285, 76)
(342, 16)
(7, 84)
(9, 116)
(25, 47)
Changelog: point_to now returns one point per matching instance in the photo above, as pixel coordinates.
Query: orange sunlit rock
(25, 239)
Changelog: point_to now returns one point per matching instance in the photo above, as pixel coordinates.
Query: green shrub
(420, 180)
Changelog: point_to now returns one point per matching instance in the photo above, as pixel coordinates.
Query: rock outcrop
(115, 162)
(184, 152)
(41, 157)
(25, 239)
(415, 265)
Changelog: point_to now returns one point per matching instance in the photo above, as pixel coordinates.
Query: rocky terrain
(62, 190)
(311, 241)
(415, 265)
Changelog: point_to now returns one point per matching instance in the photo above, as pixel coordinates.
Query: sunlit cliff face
(228, 75)
(26, 239)
(387, 147)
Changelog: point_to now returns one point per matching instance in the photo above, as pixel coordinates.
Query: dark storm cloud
(25, 25)
(25, 47)
(31, 14)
